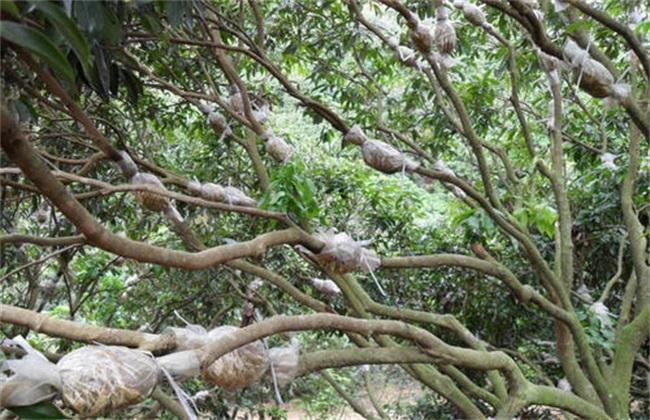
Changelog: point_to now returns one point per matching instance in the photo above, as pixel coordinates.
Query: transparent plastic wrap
(102, 379)
(231, 195)
(191, 337)
(385, 158)
(284, 362)
(342, 254)
(149, 201)
(181, 365)
(35, 379)
(277, 147)
(239, 368)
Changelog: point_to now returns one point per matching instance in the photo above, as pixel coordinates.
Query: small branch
(638, 241)
(17, 238)
(37, 262)
(619, 270)
(347, 397)
(371, 394)
(280, 282)
(564, 242)
(259, 24)
(168, 402)
(74, 110)
(470, 387)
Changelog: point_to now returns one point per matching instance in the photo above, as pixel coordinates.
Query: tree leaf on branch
(34, 41)
(69, 29)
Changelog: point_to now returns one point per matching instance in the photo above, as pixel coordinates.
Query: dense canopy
(458, 189)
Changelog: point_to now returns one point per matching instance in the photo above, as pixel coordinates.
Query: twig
(619, 270)
(37, 262)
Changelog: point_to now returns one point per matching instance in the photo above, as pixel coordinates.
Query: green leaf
(575, 26)
(37, 43)
(90, 16)
(521, 214)
(132, 84)
(545, 218)
(69, 29)
(44, 411)
(643, 27)
(178, 12)
(9, 7)
(99, 20)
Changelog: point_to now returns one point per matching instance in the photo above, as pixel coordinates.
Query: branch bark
(84, 333)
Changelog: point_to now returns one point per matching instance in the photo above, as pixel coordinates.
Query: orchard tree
(460, 189)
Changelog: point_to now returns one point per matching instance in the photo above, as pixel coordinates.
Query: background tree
(164, 157)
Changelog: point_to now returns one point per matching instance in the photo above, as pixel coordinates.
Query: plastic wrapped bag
(284, 362)
(239, 368)
(342, 254)
(35, 379)
(97, 379)
(149, 201)
(385, 158)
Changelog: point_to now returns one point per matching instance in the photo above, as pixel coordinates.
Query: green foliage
(34, 41)
(323, 398)
(600, 331)
(291, 192)
(41, 411)
(66, 26)
(329, 57)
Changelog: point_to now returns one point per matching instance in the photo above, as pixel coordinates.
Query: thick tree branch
(84, 333)
(430, 344)
(523, 292)
(546, 395)
(638, 242)
(564, 252)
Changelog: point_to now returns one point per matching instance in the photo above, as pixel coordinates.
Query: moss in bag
(98, 380)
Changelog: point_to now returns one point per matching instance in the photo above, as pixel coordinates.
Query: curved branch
(22, 153)
(280, 282)
(84, 333)
(546, 395)
(524, 293)
(74, 110)
(37, 262)
(430, 344)
(638, 242)
(356, 406)
(470, 387)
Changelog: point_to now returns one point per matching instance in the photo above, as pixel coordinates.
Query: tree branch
(17, 148)
(84, 333)
(18, 238)
(617, 27)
